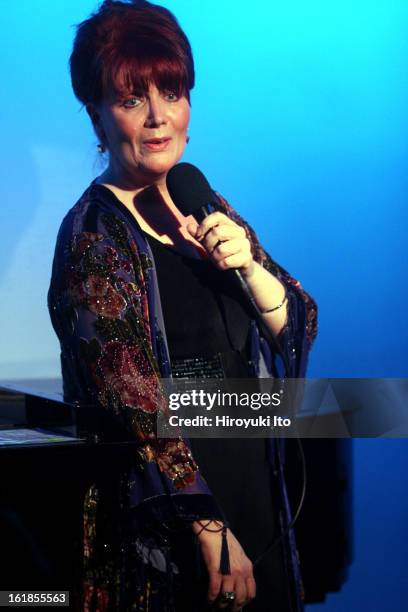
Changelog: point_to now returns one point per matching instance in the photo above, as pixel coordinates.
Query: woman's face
(145, 135)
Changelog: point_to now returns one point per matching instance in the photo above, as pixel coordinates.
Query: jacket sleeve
(296, 337)
(98, 302)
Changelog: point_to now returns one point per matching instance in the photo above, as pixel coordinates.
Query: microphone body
(199, 215)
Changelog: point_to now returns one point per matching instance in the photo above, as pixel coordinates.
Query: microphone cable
(284, 533)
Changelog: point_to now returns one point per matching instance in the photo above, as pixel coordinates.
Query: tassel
(224, 561)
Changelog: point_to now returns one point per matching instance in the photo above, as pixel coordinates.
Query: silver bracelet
(276, 307)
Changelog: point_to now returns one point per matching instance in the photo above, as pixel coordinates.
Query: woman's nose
(156, 111)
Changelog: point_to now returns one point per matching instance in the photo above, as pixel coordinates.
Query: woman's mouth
(156, 144)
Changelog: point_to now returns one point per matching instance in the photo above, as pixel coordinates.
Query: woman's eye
(171, 96)
(132, 102)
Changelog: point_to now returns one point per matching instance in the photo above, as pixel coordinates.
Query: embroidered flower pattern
(128, 375)
(106, 277)
(176, 461)
(100, 297)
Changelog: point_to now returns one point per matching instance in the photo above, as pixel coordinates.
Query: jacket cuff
(176, 509)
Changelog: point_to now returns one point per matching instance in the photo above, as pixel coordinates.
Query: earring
(101, 148)
(187, 139)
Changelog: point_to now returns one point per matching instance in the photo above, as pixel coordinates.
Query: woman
(127, 270)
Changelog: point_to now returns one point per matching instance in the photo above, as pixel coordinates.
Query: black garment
(203, 315)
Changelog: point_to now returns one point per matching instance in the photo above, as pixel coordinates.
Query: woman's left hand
(225, 241)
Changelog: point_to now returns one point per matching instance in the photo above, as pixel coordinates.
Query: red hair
(124, 47)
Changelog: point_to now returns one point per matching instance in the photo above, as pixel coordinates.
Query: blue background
(299, 118)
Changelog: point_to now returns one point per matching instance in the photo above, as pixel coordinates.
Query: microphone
(192, 194)
(190, 191)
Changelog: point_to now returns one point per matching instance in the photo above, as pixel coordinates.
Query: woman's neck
(129, 187)
(155, 211)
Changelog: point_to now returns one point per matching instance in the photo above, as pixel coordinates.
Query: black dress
(204, 316)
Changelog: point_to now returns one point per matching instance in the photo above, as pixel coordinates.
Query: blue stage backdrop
(299, 116)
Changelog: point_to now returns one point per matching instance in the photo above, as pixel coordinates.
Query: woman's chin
(157, 170)
(160, 162)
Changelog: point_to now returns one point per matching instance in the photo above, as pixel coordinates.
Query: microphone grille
(188, 188)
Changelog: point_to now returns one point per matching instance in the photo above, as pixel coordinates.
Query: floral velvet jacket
(105, 308)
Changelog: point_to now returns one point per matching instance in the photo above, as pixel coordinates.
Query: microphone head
(188, 188)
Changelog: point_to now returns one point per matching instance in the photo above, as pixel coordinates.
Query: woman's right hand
(241, 578)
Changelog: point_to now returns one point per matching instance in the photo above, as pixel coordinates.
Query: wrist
(248, 270)
(203, 526)
(277, 306)
(206, 531)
